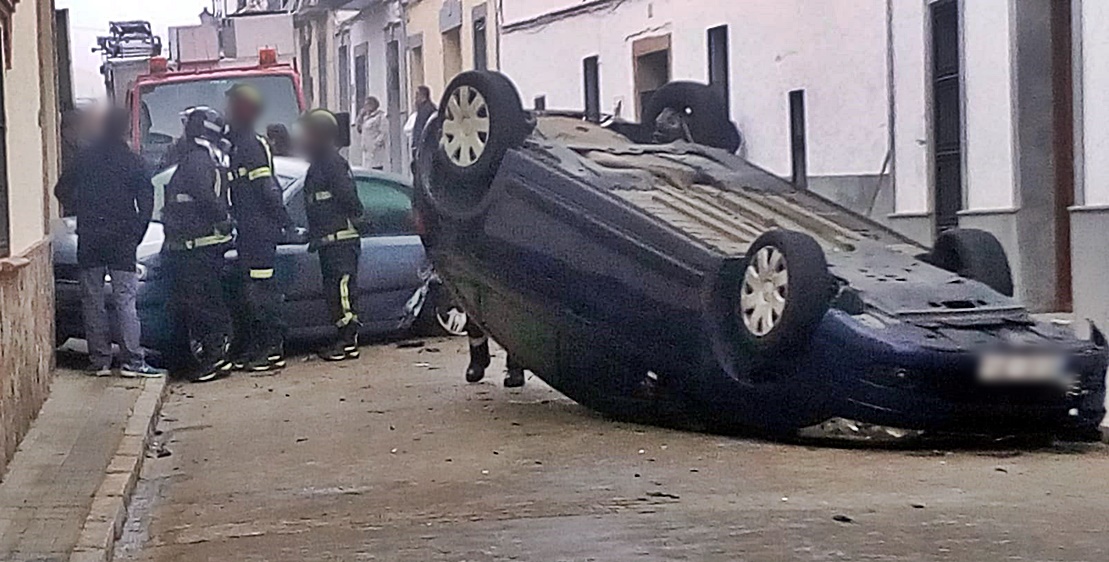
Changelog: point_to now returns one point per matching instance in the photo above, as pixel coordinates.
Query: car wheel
(481, 118)
(974, 254)
(702, 109)
(784, 292)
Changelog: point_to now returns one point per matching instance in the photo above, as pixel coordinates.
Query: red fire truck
(203, 63)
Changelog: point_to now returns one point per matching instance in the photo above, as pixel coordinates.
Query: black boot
(213, 360)
(479, 359)
(270, 359)
(514, 378)
(346, 348)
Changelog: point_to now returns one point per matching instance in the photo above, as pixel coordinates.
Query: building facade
(824, 61)
(388, 48)
(29, 156)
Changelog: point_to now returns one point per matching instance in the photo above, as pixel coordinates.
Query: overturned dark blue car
(648, 272)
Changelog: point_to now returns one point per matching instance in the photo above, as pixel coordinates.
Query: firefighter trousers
(339, 267)
(256, 301)
(199, 320)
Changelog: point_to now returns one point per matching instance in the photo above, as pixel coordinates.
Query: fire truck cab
(203, 62)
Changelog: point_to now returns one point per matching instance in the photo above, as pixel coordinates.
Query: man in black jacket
(198, 233)
(334, 221)
(260, 219)
(108, 188)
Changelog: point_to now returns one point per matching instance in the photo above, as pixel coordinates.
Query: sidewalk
(61, 466)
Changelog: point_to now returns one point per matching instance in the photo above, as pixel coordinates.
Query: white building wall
(23, 104)
(989, 157)
(911, 126)
(834, 49)
(368, 31)
(988, 112)
(1092, 129)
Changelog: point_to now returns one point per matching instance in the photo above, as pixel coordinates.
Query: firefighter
(260, 219)
(198, 231)
(334, 225)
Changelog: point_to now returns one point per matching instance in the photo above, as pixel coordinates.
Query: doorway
(947, 114)
(652, 61)
(362, 74)
(395, 103)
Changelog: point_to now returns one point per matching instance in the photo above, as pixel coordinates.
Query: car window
(388, 206)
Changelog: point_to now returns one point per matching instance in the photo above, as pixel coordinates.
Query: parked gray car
(395, 279)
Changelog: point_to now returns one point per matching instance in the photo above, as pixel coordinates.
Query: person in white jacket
(373, 129)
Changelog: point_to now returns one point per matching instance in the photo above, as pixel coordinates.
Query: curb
(108, 513)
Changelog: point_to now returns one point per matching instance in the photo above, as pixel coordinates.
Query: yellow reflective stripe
(269, 152)
(344, 302)
(321, 195)
(348, 234)
(205, 241)
(261, 273)
(263, 172)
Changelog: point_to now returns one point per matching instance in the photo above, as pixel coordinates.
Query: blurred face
(308, 140)
(421, 96)
(241, 111)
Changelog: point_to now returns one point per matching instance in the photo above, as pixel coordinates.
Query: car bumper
(873, 381)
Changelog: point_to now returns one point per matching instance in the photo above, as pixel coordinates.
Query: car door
(391, 270)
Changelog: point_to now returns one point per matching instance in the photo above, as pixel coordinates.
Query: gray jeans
(100, 330)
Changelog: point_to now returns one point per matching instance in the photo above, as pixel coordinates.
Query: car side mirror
(343, 140)
(297, 235)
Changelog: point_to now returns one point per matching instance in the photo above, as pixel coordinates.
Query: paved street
(395, 458)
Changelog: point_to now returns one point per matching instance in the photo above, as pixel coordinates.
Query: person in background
(197, 234)
(281, 144)
(373, 128)
(259, 212)
(109, 190)
(334, 224)
(425, 108)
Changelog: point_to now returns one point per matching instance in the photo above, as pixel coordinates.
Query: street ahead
(396, 458)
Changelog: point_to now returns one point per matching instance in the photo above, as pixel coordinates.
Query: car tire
(440, 316)
(784, 291)
(704, 110)
(974, 254)
(481, 117)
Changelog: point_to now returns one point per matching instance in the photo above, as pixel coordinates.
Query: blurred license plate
(1021, 368)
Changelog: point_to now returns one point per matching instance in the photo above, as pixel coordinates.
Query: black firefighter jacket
(196, 209)
(256, 202)
(331, 200)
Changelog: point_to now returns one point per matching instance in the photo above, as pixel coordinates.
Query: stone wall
(26, 343)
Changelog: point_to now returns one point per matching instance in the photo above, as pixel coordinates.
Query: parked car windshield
(388, 206)
(160, 107)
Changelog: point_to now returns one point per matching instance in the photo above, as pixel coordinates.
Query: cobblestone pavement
(395, 458)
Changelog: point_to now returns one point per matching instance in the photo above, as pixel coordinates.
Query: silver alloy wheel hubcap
(764, 292)
(465, 126)
(452, 320)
